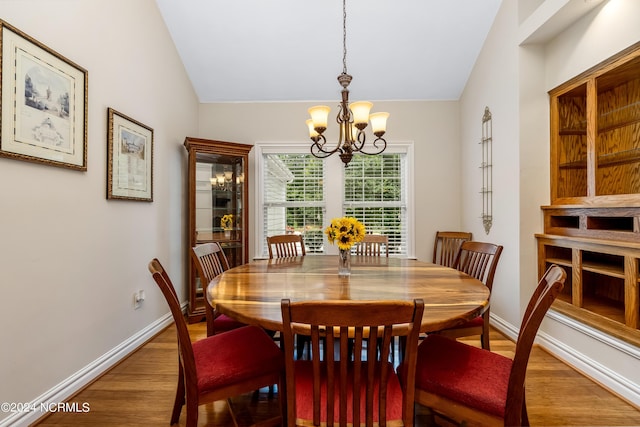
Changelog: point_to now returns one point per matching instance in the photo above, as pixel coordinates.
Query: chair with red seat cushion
(210, 261)
(220, 366)
(474, 386)
(480, 260)
(320, 390)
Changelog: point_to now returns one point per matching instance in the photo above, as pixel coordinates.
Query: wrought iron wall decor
(486, 167)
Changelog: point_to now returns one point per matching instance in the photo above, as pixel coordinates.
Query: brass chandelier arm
(379, 150)
(317, 148)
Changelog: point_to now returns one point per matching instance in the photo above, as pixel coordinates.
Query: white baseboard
(599, 373)
(67, 388)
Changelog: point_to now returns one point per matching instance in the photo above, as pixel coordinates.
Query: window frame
(334, 178)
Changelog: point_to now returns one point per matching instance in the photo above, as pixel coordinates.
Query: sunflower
(227, 222)
(345, 232)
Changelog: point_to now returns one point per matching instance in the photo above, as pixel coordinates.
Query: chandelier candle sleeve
(319, 117)
(360, 112)
(379, 123)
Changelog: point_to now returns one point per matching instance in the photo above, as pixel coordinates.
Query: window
(293, 198)
(375, 193)
(299, 193)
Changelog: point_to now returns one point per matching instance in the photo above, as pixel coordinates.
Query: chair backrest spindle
(479, 259)
(286, 245)
(373, 245)
(447, 245)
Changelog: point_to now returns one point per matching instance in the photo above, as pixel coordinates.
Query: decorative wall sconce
(487, 173)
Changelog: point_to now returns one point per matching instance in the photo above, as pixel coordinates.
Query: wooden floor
(140, 391)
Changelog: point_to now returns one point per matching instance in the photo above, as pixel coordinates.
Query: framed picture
(44, 103)
(130, 158)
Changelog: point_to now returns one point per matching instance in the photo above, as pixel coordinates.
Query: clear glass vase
(344, 266)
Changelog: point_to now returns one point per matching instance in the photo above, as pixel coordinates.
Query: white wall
(513, 81)
(494, 84)
(432, 126)
(70, 260)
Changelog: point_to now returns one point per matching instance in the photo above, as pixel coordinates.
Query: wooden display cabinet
(218, 207)
(592, 227)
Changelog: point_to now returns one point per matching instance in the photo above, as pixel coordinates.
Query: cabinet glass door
(572, 143)
(219, 203)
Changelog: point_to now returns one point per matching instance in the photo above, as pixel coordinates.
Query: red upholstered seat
(304, 394)
(462, 371)
(224, 323)
(474, 386)
(234, 357)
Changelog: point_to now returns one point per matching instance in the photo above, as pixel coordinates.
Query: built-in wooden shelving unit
(592, 227)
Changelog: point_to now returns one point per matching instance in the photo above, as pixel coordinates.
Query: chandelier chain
(352, 118)
(344, 36)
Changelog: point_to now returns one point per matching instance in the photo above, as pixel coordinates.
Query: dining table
(251, 293)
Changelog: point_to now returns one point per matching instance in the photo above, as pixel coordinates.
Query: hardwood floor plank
(140, 390)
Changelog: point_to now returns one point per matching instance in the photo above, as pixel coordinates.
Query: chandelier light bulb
(379, 123)
(319, 116)
(360, 111)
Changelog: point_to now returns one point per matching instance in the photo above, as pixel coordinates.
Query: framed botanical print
(129, 158)
(44, 103)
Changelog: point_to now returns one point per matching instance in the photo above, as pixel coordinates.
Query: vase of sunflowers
(227, 225)
(345, 232)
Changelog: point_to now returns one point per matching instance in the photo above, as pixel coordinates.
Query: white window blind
(294, 200)
(376, 194)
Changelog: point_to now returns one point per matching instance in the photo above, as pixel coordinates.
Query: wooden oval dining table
(251, 293)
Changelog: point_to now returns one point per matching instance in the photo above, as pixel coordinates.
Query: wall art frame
(129, 158)
(43, 109)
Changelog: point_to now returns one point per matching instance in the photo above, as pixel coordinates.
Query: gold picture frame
(129, 158)
(43, 103)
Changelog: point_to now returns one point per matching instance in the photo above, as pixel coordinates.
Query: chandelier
(352, 119)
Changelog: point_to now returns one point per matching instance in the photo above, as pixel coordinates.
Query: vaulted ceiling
(292, 50)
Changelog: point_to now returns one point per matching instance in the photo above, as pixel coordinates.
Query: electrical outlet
(137, 301)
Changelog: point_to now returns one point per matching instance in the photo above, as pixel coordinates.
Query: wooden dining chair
(220, 366)
(320, 391)
(480, 260)
(373, 245)
(447, 245)
(474, 386)
(210, 261)
(289, 246)
(285, 245)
